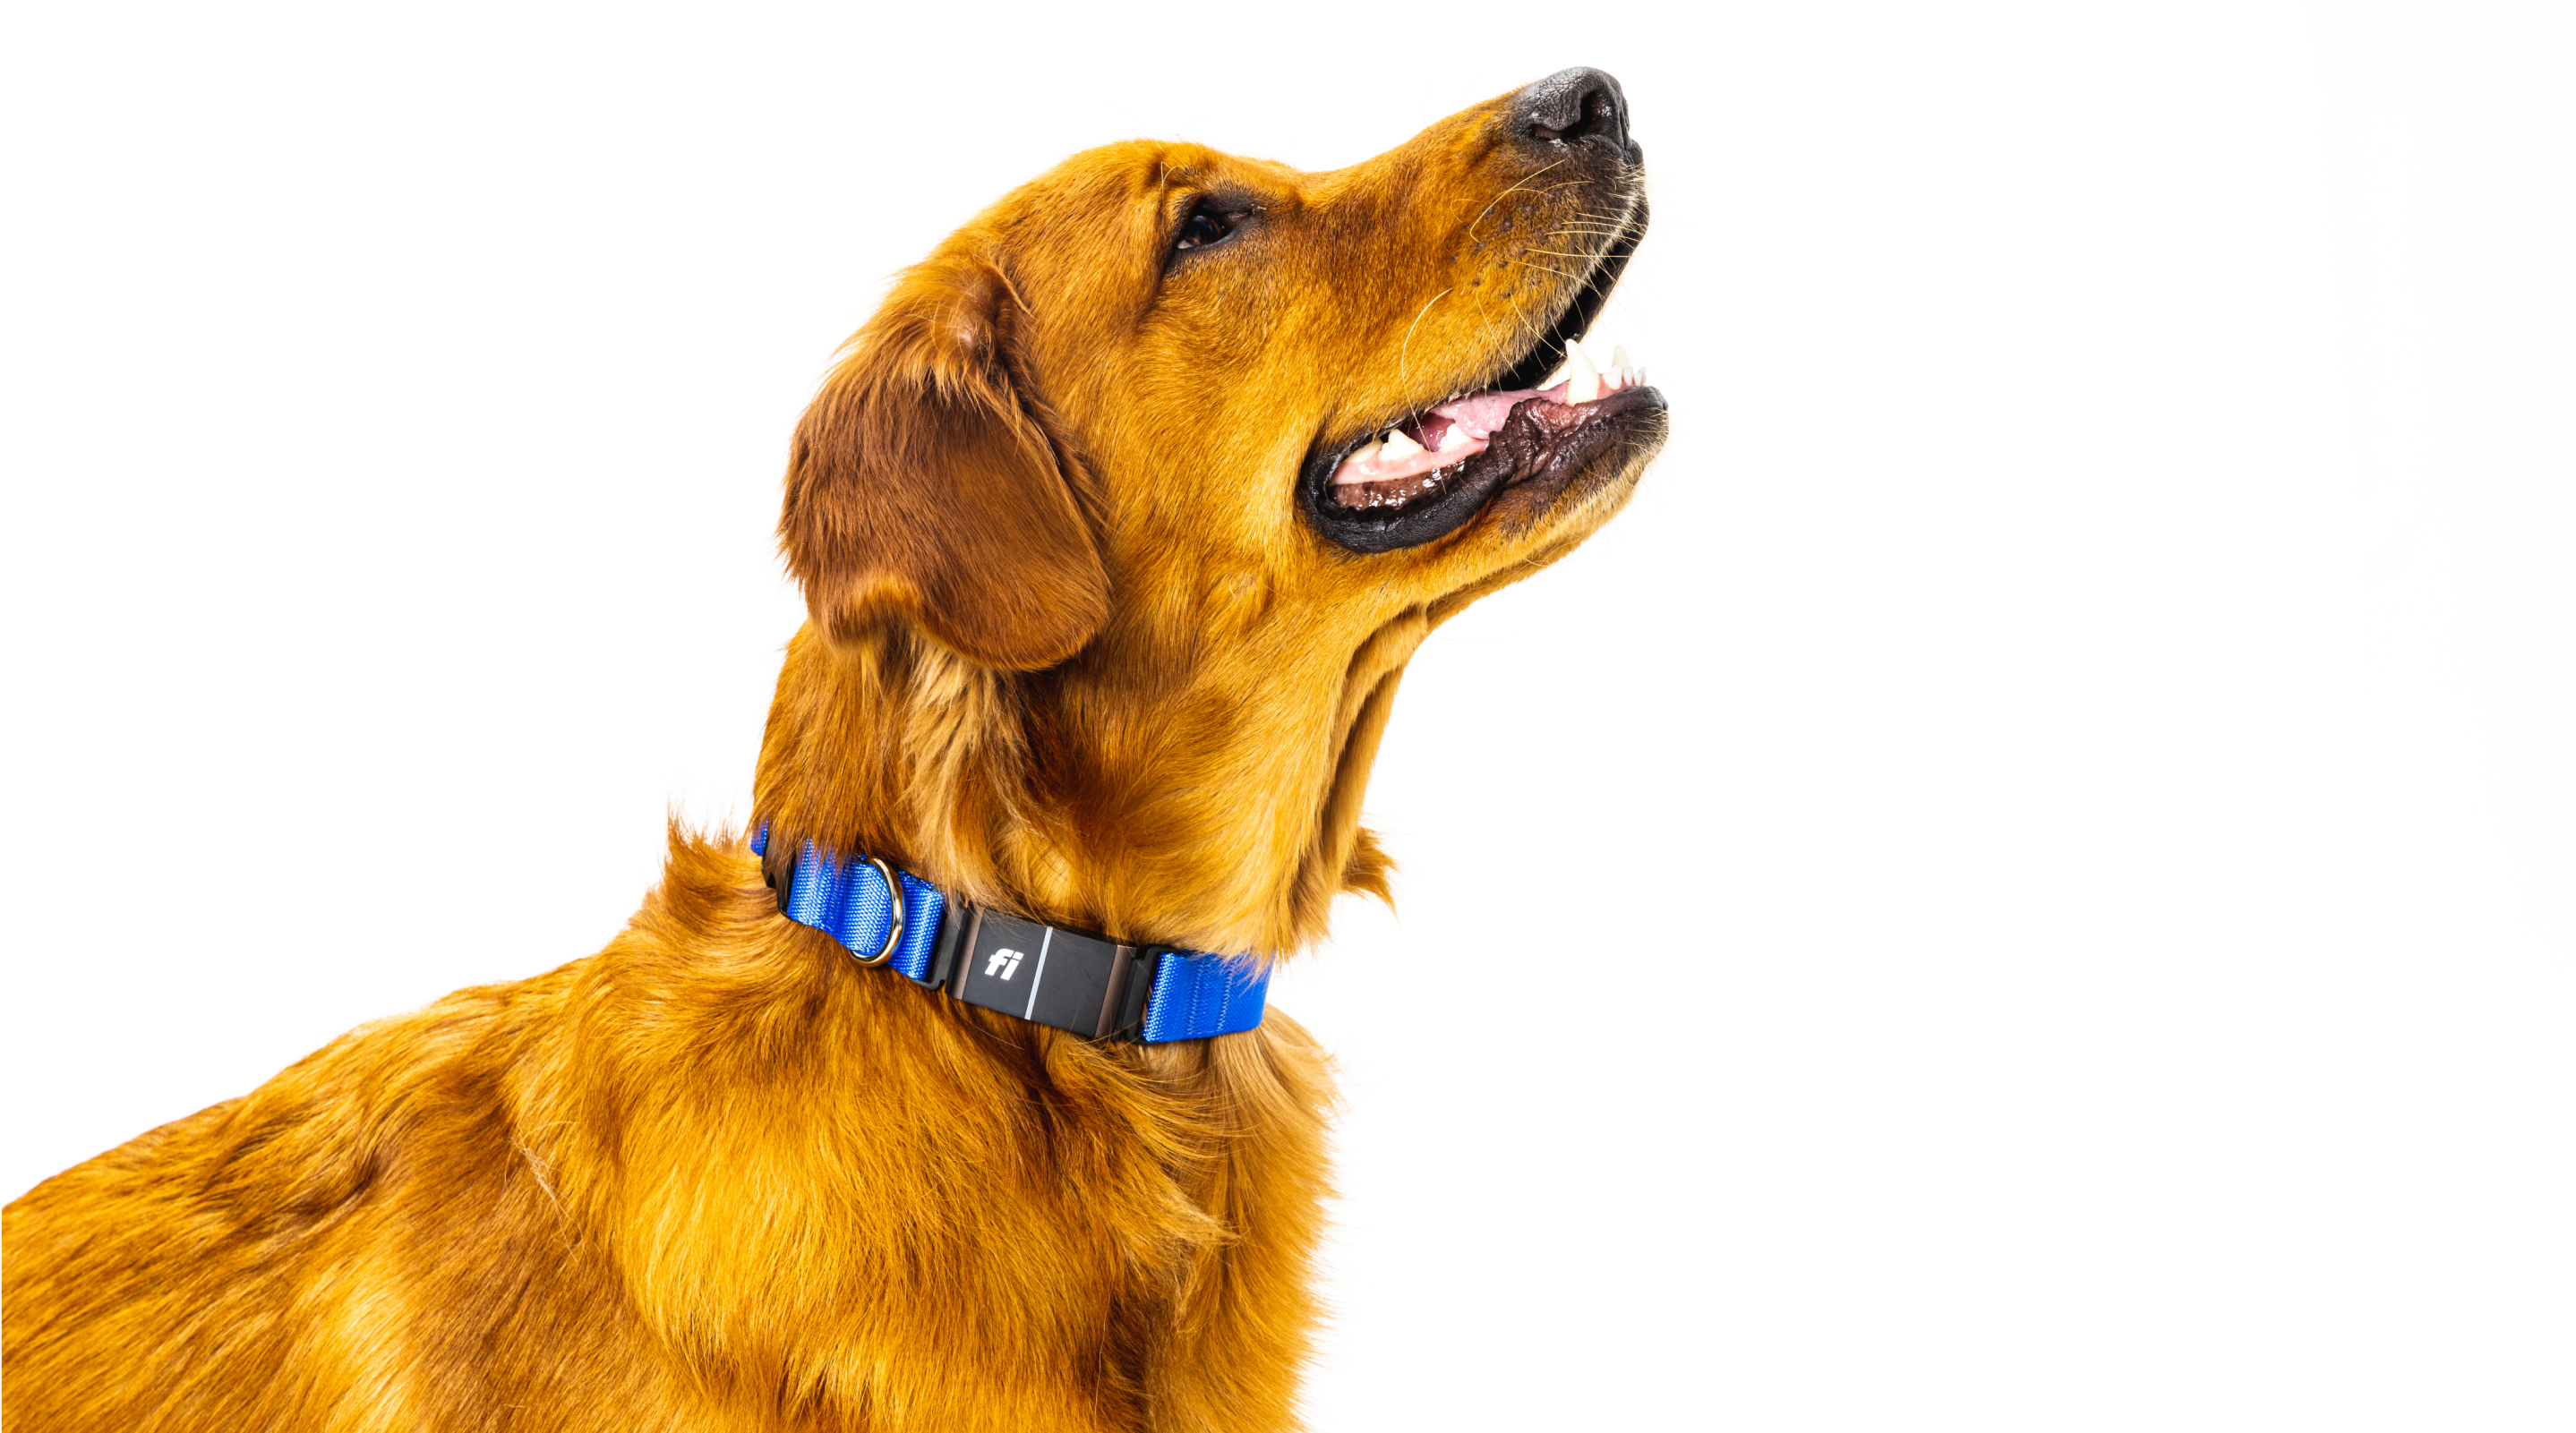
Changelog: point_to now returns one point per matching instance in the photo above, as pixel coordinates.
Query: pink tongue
(1482, 413)
(1479, 414)
(1381, 469)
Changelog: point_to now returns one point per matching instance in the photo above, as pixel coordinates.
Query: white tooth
(1619, 356)
(1455, 438)
(1399, 447)
(1586, 383)
(1360, 456)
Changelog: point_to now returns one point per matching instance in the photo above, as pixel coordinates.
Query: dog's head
(1160, 371)
(1121, 518)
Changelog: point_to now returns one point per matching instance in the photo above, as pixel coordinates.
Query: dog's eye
(1201, 229)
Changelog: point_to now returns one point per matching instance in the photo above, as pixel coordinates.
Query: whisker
(1560, 273)
(1401, 370)
(1499, 198)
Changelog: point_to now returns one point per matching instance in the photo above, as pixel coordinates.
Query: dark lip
(1501, 465)
(1527, 452)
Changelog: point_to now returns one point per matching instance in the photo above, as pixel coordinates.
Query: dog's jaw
(1561, 415)
(1542, 448)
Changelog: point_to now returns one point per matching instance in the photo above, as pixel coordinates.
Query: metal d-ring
(894, 923)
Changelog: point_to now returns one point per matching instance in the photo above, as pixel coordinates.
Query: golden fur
(1074, 652)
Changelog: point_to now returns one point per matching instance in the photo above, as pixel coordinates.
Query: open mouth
(1539, 425)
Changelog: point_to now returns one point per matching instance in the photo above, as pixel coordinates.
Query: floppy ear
(923, 488)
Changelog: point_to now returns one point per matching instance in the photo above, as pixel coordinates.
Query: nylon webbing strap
(1064, 978)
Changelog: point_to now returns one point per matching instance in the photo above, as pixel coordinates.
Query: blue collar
(1069, 979)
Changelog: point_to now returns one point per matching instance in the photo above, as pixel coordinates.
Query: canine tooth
(1398, 446)
(1586, 382)
(1455, 438)
(1619, 357)
(1365, 453)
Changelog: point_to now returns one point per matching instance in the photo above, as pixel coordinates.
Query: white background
(2025, 885)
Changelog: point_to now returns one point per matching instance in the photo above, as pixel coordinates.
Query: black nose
(1573, 106)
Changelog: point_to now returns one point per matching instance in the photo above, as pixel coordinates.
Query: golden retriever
(1118, 523)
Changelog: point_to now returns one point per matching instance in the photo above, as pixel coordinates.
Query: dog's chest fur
(715, 1176)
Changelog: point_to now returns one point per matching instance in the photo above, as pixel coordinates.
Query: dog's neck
(1205, 795)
